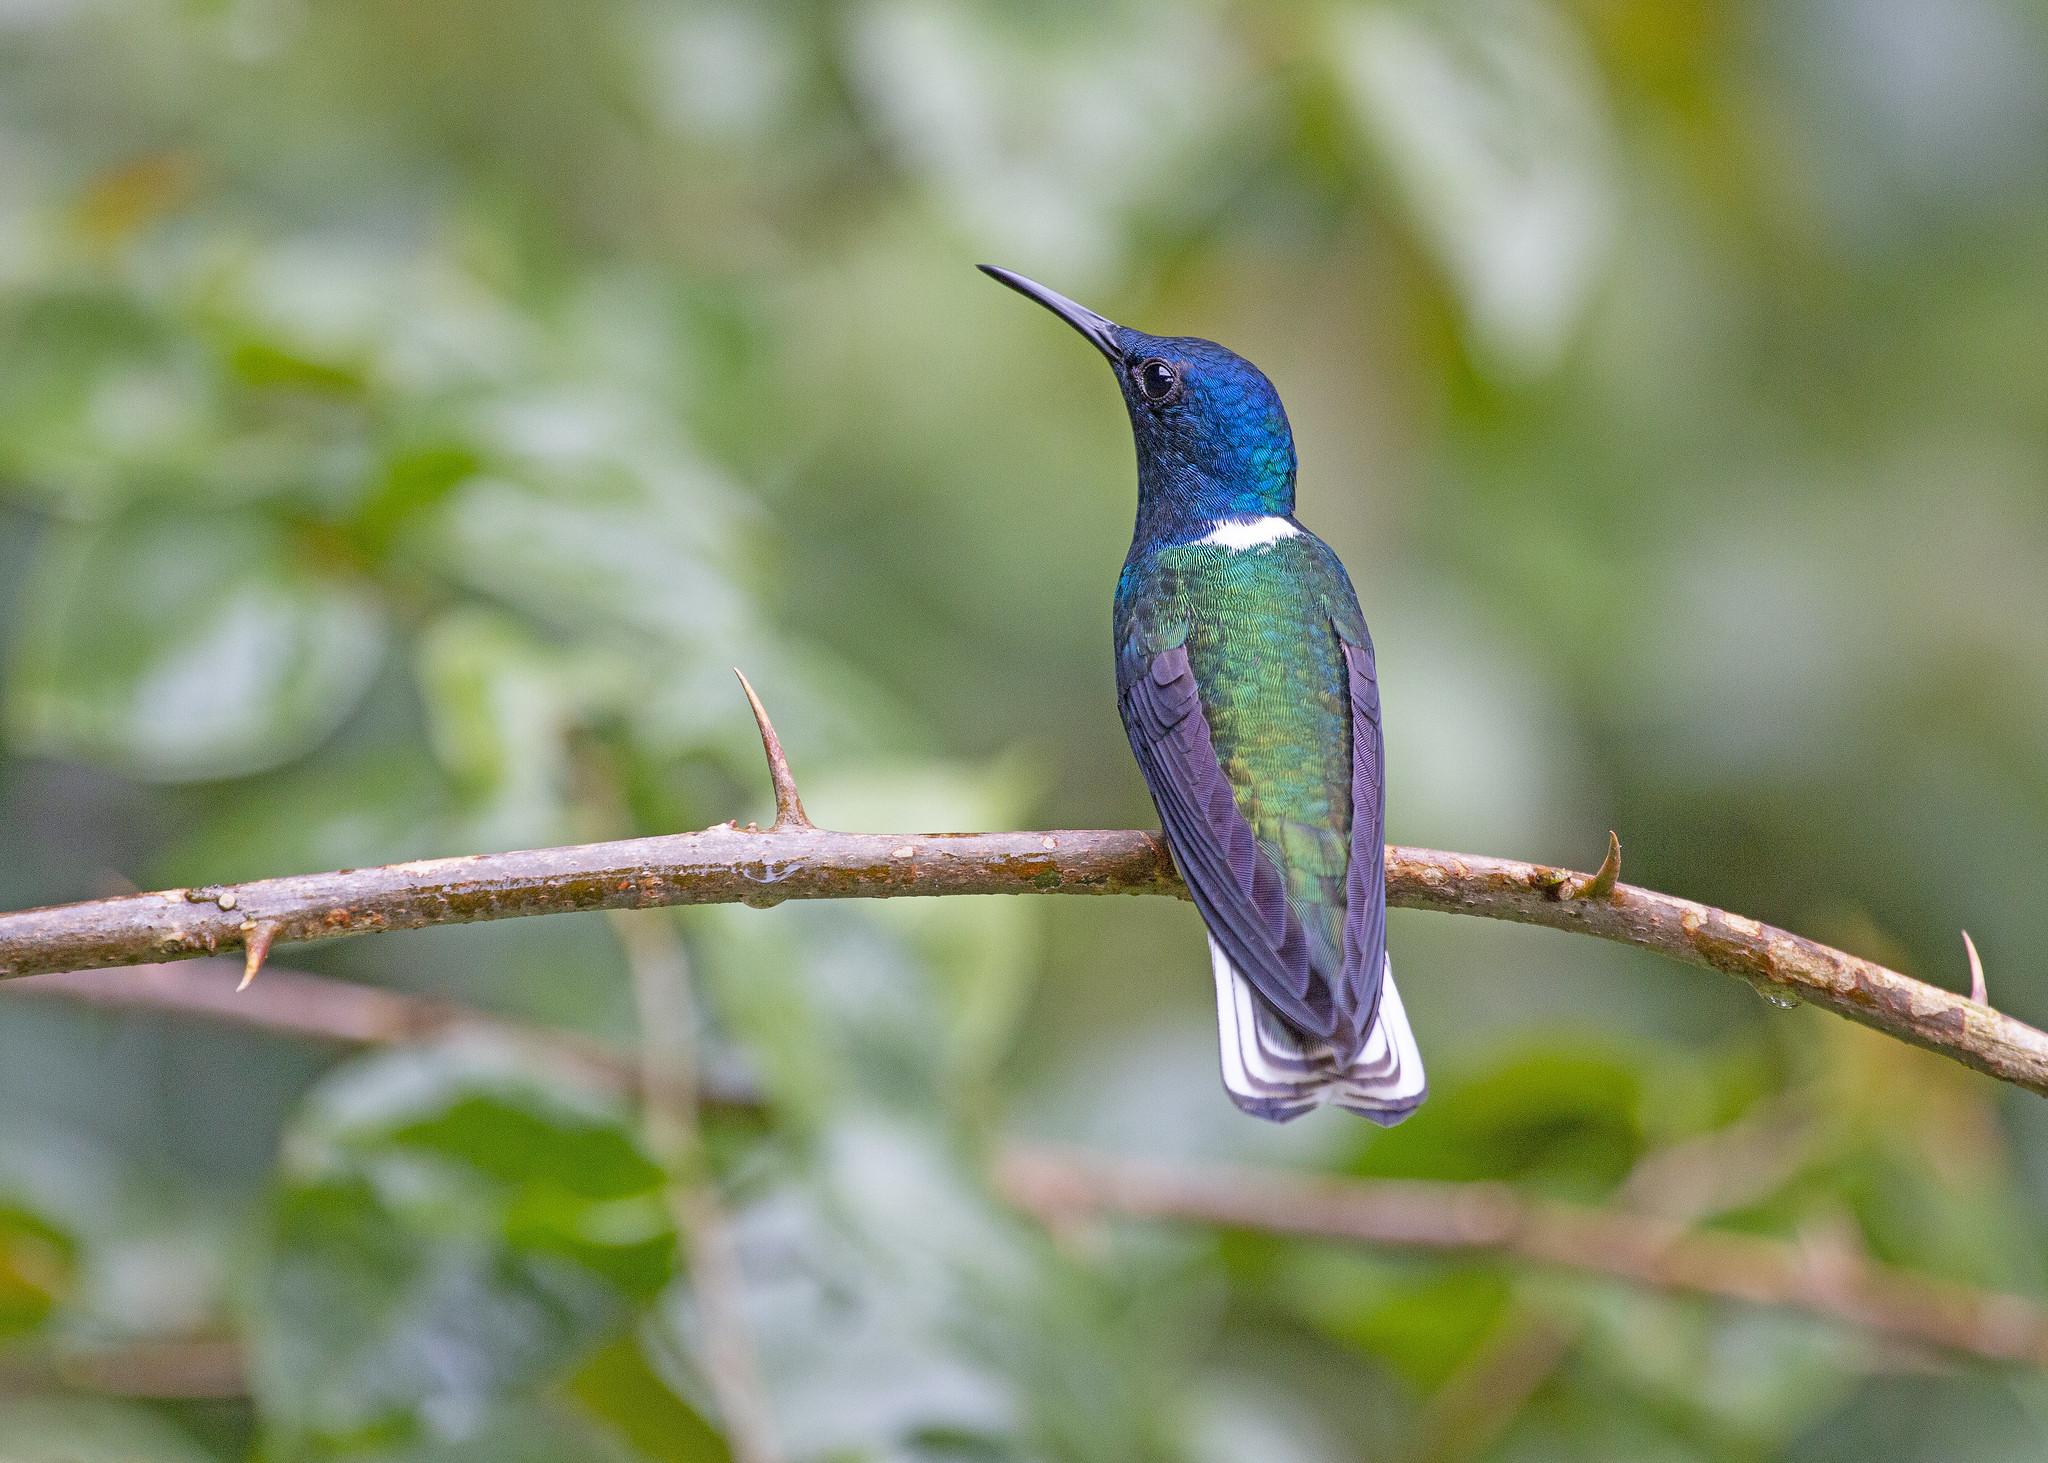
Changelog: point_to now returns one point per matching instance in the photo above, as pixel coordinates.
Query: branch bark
(795, 860)
(728, 865)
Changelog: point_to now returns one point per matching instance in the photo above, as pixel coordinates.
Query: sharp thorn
(256, 938)
(789, 808)
(1601, 885)
(1977, 991)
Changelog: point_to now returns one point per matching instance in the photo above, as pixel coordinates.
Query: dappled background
(410, 411)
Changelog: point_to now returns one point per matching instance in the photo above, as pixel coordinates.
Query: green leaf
(608, 554)
(1568, 1120)
(451, 1234)
(36, 1265)
(345, 812)
(1488, 117)
(1759, 1375)
(500, 709)
(93, 377)
(522, 1433)
(121, 1252)
(42, 1430)
(176, 646)
(618, 1387)
(1421, 1317)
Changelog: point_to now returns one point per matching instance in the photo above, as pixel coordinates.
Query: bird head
(1213, 440)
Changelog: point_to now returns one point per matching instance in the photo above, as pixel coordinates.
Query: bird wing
(1235, 882)
(1236, 886)
(1365, 882)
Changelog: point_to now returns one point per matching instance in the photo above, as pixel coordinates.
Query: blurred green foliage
(408, 413)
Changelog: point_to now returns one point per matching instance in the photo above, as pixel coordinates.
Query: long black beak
(1102, 332)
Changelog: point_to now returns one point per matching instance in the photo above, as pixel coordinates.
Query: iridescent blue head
(1213, 439)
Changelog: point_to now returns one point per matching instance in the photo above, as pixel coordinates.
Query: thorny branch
(1646, 1239)
(794, 860)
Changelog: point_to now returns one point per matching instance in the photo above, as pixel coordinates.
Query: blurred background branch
(1064, 1187)
(202, 1368)
(1648, 1236)
(1687, 1184)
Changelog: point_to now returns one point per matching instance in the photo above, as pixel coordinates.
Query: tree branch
(1648, 1244)
(297, 1004)
(1495, 1218)
(180, 1368)
(793, 860)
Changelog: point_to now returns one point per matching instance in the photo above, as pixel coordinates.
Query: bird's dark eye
(1159, 381)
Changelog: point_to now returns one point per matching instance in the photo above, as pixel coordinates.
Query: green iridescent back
(1259, 625)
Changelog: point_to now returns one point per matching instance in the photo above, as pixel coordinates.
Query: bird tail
(1271, 1071)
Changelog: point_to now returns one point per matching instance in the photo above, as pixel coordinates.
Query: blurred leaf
(1922, 1173)
(1490, 119)
(182, 645)
(620, 1388)
(1752, 1375)
(341, 311)
(902, 1005)
(977, 957)
(626, 534)
(857, 1330)
(1422, 1318)
(515, 1433)
(133, 1253)
(94, 380)
(1044, 135)
(1570, 1122)
(500, 709)
(1975, 1417)
(452, 1232)
(36, 1430)
(897, 1313)
(266, 365)
(329, 813)
(1239, 1418)
(416, 479)
(36, 1263)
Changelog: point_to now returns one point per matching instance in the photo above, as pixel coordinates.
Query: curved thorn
(256, 938)
(1601, 885)
(1977, 991)
(789, 808)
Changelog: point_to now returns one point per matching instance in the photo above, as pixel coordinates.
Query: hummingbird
(1246, 683)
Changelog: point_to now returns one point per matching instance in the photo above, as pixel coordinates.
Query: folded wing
(1293, 1037)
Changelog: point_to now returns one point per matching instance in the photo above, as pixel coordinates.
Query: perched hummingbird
(1245, 677)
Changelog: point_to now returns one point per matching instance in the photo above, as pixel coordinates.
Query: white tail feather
(1271, 1072)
